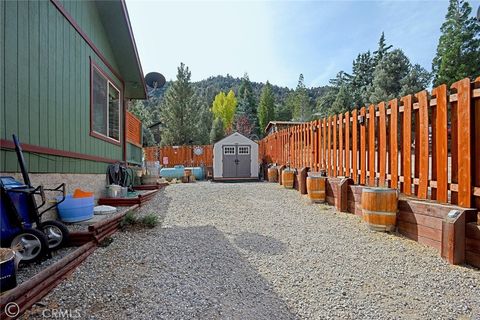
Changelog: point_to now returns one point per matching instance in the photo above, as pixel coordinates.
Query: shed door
(236, 161)
(243, 161)
(229, 156)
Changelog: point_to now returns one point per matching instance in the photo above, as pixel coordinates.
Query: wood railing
(427, 146)
(180, 155)
(134, 130)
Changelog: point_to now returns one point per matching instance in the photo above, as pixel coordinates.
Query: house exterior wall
(45, 86)
(233, 139)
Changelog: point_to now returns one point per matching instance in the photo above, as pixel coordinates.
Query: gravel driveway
(258, 251)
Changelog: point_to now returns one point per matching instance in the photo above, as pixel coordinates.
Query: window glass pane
(113, 113)
(99, 100)
(243, 150)
(228, 150)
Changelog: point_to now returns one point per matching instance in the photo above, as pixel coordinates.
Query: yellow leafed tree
(224, 107)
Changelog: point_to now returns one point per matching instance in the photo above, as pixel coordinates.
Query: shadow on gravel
(259, 243)
(204, 277)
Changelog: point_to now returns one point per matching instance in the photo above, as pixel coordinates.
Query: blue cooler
(75, 209)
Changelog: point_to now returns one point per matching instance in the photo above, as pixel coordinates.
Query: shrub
(150, 220)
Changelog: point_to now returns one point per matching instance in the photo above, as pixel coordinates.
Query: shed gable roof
(234, 135)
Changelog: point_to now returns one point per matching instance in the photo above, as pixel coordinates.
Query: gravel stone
(258, 251)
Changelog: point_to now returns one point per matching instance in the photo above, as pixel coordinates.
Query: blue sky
(278, 40)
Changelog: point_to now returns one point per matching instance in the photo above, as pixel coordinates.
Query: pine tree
(301, 108)
(204, 125)
(458, 50)
(362, 78)
(343, 101)
(416, 80)
(266, 108)
(382, 50)
(179, 111)
(217, 133)
(388, 75)
(283, 112)
(325, 102)
(247, 102)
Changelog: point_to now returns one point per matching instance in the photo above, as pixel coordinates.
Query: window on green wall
(105, 110)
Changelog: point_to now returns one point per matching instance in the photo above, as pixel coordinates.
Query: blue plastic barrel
(75, 209)
(8, 277)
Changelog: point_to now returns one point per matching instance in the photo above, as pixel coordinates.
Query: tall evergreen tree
(325, 102)
(179, 111)
(416, 80)
(458, 50)
(388, 75)
(343, 101)
(362, 78)
(247, 102)
(301, 109)
(217, 132)
(382, 50)
(266, 108)
(204, 125)
(283, 112)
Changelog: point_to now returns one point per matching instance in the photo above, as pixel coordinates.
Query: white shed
(235, 157)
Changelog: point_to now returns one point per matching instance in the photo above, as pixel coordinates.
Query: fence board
(393, 143)
(340, 145)
(324, 154)
(476, 142)
(329, 129)
(382, 147)
(354, 146)
(423, 145)
(334, 149)
(463, 144)
(407, 144)
(347, 144)
(363, 136)
(371, 145)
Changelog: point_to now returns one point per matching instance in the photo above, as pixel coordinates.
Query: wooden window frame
(110, 81)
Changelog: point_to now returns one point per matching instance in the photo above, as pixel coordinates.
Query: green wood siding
(45, 84)
(134, 154)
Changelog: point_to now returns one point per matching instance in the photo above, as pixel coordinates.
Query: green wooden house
(68, 71)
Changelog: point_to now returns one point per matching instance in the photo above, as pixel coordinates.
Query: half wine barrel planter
(316, 187)
(288, 176)
(272, 174)
(379, 208)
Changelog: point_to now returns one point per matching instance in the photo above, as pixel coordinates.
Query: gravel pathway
(258, 251)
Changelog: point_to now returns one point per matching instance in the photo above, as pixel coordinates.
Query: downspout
(124, 145)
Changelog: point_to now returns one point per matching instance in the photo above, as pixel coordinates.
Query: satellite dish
(155, 80)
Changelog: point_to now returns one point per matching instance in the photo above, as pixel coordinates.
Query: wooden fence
(427, 146)
(180, 155)
(134, 130)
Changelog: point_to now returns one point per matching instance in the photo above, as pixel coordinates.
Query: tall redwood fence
(427, 145)
(180, 155)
